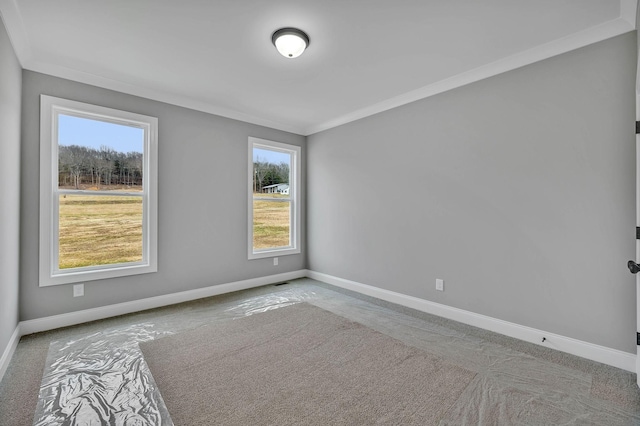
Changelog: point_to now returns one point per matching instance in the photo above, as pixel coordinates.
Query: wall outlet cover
(78, 290)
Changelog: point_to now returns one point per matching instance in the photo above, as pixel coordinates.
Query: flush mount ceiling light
(290, 42)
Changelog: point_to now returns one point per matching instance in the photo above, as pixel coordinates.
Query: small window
(98, 189)
(274, 192)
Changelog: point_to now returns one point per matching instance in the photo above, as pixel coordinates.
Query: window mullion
(272, 199)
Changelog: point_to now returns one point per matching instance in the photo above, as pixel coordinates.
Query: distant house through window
(98, 192)
(278, 188)
(274, 191)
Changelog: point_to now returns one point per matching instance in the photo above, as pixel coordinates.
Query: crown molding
(629, 11)
(626, 22)
(557, 47)
(154, 94)
(16, 30)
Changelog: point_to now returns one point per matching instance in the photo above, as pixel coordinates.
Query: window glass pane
(271, 224)
(271, 219)
(99, 230)
(271, 171)
(99, 155)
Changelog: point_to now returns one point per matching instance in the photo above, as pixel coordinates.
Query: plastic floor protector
(102, 378)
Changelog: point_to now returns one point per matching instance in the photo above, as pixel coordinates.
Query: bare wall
(518, 191)
(10, 98)
(202, 213)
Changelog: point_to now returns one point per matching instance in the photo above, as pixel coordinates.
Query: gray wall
(10, 98)
(202, 197)
(518, 191)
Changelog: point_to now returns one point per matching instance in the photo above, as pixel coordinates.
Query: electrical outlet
(275, 261)
(78, 290)
(439, 284)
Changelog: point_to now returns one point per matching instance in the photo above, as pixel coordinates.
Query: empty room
(319, 212)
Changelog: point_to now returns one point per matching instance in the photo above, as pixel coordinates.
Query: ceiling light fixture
(290, 42)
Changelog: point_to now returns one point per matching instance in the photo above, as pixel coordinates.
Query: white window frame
(293, 199)
(49, 273)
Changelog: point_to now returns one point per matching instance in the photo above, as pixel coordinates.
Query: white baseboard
(79, 317)
(9, 350)
(613, 357)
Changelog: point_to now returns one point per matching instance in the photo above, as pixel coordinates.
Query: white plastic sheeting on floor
(102, 378)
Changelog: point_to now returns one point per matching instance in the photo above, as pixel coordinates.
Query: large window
(274, 192)
(98, 205)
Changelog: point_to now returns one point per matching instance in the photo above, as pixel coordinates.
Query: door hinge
(638, 339)
(637, 232)
(637, 127)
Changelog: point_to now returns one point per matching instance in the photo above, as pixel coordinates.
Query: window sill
(84, 275)
(273, 253)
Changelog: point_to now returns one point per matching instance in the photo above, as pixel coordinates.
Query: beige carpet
(299, 365)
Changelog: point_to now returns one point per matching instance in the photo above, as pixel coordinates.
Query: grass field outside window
(99, 230)
(271, 223)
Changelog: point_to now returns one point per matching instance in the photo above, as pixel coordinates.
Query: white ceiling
(365, 56)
